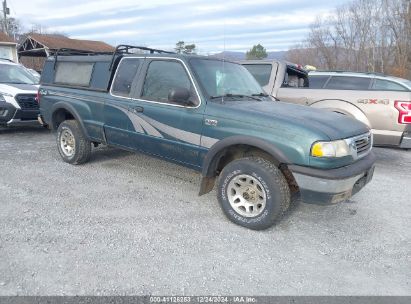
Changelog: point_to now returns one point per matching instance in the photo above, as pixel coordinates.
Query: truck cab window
(348, 83)
(317, 81)
(162, 77)
(385, 85)
(126, 73)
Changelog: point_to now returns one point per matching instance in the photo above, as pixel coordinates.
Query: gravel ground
(130, 224)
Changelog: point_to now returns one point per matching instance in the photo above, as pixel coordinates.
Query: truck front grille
(27, 101)
(363, 144)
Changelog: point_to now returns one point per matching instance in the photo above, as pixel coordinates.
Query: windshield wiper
(260, 94)
(14, 82)
(236, 95)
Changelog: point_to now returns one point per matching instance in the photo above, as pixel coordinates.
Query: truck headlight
(2, 94)
(338, 148)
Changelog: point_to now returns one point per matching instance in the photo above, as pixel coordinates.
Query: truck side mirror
(180, 95)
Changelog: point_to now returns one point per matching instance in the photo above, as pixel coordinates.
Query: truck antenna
(223, 78)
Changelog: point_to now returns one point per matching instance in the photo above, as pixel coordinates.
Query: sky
(213, 25)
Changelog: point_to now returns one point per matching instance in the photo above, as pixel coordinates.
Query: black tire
(82, 146)
(269, 178)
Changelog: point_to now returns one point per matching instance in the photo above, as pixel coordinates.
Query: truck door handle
(136, 109)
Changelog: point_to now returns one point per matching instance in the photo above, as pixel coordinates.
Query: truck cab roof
(401, 81)
(100, 67)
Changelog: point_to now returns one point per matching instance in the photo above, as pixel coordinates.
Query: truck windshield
(16, 74)
(225, 79)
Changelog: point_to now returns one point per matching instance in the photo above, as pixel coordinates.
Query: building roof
(43, 45)
(55, 42)
(6, 38)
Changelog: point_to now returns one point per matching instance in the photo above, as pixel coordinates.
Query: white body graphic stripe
(143, 123)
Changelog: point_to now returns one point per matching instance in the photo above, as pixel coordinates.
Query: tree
(362, 35)
(179, 47)
(256, 52)
(303, 54)
(190, 49)
(182, 48)
(14, 27)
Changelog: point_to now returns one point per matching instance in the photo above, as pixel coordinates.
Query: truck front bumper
(332, 186)
(7, 112)
(11, 116)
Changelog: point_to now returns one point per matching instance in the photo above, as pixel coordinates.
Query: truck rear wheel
(73, 146)
(253, 193)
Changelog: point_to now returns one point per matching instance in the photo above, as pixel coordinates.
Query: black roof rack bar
(74, 52)
(125, 49)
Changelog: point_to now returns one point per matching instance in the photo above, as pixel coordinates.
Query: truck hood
(334, 125)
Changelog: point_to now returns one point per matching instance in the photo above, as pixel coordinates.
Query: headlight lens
(2, 94)
(338, 148)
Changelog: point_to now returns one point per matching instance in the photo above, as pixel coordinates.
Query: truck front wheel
(253, 193)
(73, 146)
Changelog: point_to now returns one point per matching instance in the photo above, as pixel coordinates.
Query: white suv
(18, 91)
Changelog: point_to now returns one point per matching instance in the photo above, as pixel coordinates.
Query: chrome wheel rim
(67, 143)
(246, 195)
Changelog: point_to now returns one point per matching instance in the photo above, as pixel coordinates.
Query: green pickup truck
(209, 115)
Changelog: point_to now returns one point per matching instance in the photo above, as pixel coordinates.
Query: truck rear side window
(348, 83)
(385, 85)
(126, 73)
(318, 81)
(74, 73)
(261, 72)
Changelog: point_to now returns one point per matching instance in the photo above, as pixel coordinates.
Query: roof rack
(68, 52)
(120, 49)
(75, 52)
(125, 49)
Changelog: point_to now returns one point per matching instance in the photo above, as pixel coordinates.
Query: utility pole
(409, 11)
(6, 11)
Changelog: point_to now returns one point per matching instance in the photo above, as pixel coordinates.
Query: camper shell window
(74, 73)
(92, 72)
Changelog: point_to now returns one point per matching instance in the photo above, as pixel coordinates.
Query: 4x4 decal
(374, 101)
(145, 124)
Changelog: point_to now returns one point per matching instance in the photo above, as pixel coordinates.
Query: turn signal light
(38, 97)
